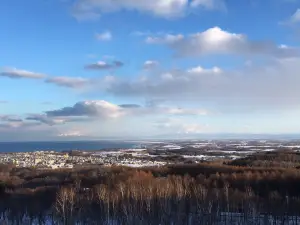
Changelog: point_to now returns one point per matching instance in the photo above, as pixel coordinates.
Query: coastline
(60, 146)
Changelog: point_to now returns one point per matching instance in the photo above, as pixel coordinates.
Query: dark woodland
(260, 189)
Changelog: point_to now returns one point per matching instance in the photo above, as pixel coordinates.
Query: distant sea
(63, 146)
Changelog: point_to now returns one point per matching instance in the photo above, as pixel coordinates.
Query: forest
(260, 189)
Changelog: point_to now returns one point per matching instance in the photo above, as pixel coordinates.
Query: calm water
(63, 146)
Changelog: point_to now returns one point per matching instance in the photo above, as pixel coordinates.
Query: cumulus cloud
(269, 86)
(90, 10)
(209, 4)
(16, 74)
(104, 65)
(71, 82)
(105, 36)
(71, 121)
(99, 108)
(217, 41)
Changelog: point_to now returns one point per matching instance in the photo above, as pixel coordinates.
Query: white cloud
(16, 73)
(105, 36)
(97, 108)
(217, 41)
(101, 65)
(201, 70)
(149, 33)
(13, 125)
(264, 87)
(165, 39)
(93, 9)
(150, 64)
(209, 4)
(10, 118)
(106, 110)
(13, 122)
(44, 119)
(295, 18)
(192, 129)
(72, 133)
(71, 82)
(173, 125)
(185, 111)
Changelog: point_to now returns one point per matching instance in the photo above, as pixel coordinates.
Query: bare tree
(65, 204)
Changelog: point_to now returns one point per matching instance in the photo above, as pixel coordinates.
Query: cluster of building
(153, 154)
(37, 159)
(55, 160)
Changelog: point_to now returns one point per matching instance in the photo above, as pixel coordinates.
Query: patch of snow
(174, 147)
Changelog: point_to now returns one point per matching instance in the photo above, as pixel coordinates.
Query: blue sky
(80, 69)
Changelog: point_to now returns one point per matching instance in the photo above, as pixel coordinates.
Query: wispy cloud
(209, 4)
(165, 39)
(91, 10)
(293, 20)
(150, 64)
(10, 118)
(17, 73)
(71, 82)
(46, 103)
(101, 65)
(44, 119)
(105, 36)
(179, 126)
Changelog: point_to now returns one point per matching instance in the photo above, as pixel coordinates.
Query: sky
(100, 69)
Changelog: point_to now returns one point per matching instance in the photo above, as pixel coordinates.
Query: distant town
(148, 154)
